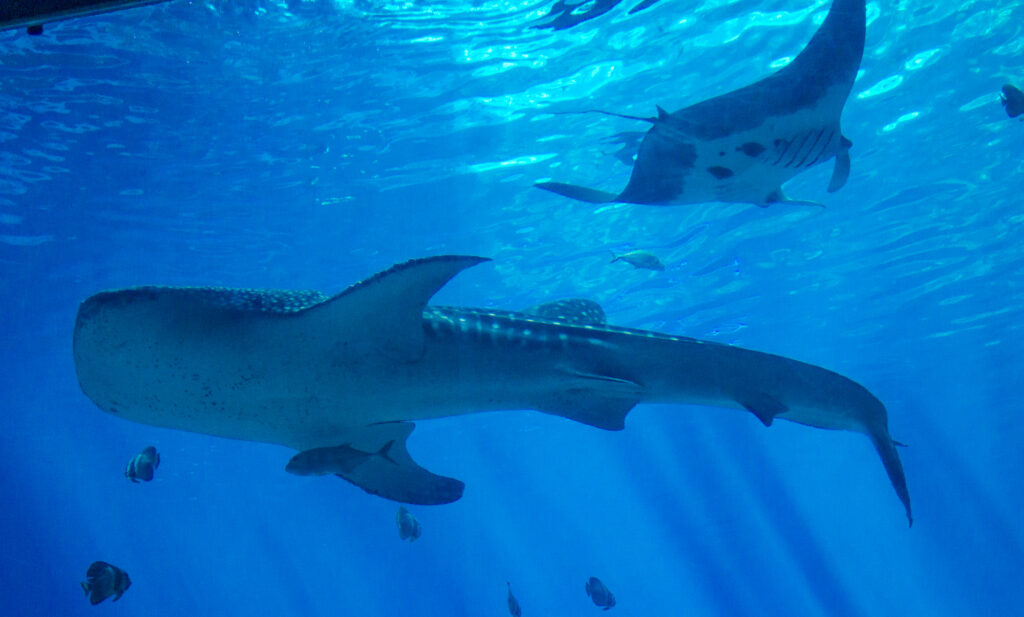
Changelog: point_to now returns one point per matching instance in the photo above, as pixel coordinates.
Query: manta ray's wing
(375, 459)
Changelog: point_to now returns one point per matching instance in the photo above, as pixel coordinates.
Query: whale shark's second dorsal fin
(375, 459)
(395, 299)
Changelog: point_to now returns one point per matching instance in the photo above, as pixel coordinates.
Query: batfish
(342, 378)
(744, 145)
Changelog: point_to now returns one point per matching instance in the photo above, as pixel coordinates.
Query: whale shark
(342, 378)
(742, 146)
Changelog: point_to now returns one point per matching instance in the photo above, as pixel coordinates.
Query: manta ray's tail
(886, 448)
(581, 193)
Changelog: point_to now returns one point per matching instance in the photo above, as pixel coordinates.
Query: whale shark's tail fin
(375, 459)
(886, 448)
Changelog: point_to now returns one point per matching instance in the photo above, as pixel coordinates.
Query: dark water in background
(246, 144)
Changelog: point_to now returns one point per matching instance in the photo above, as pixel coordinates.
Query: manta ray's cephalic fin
(375, 459)
(841, 171)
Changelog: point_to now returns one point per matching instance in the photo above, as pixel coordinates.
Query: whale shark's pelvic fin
(841, 171)
(375, 459)
(601, 401)
(764, 406)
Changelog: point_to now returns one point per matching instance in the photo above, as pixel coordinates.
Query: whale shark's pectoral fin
(395, 297)
(376, 460)
(581, 193)
(598, 400)
(764, 406)
(841, 171)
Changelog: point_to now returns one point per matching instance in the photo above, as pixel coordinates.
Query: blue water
(247, 143)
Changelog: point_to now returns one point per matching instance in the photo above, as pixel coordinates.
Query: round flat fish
(1012, 99)
(408, 527)
(599, 593)
(103, 581)
(143, 465)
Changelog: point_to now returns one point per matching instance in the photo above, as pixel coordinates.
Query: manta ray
(341, 379)
(744, 145)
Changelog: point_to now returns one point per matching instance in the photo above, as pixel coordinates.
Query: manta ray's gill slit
(796, 152)
(823, 152)
(784, 146)
(810, 150)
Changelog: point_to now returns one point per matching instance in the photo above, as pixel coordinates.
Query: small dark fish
(104, 580)
(1013, 100)
(408, 527)
(142, 466)
(599, 593)
(513, 604)
(639, 259)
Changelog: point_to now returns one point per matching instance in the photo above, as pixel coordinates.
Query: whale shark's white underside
(744, 145)
(342, 378)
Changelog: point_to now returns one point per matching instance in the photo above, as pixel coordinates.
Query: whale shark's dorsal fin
(575, 311)
(395, 297)
(375, 459)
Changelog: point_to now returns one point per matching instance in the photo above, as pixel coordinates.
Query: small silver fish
(142, 465)
(104, 580)
(599, 593)
(408, 527)
(513, 604)
(639, 259)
